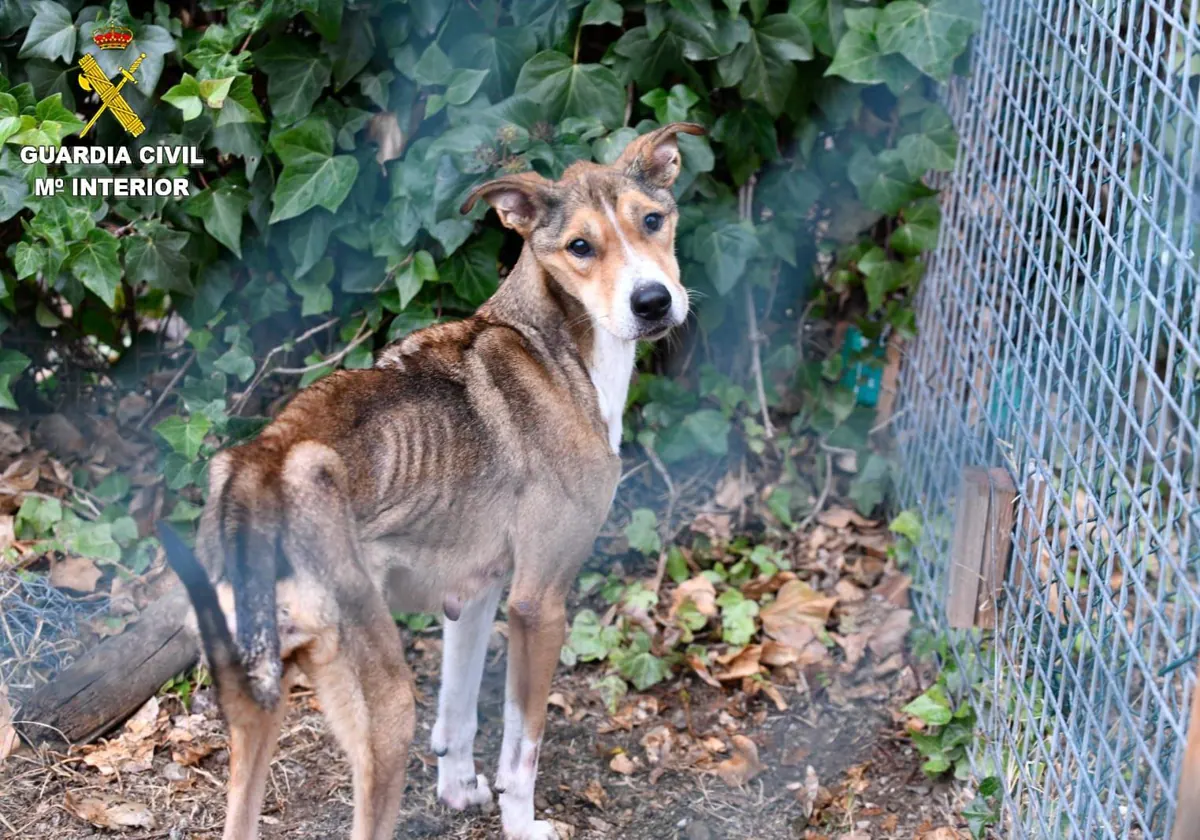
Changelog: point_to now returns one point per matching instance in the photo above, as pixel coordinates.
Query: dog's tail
(252, 662)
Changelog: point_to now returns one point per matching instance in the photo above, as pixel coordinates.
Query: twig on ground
(825, 491)
(664, 528)
(262, 370)
(745, 210)
(363, 334)
(166, 391)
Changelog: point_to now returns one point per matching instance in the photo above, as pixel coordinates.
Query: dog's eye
(653, 221)
(580, 248)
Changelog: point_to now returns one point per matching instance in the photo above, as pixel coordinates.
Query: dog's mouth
(654, 332)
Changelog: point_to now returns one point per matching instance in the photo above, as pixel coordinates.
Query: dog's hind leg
(253, 733)
(464, 654)
(365, 689)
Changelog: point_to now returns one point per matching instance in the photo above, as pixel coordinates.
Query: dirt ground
(868, 785)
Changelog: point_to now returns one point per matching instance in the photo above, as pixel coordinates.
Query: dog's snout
(651, 302)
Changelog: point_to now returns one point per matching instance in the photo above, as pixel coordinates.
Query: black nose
(651, 302)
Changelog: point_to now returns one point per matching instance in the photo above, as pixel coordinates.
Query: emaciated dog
(472, 451)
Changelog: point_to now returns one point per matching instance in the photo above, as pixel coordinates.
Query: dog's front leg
(537, 628)
(464, 653)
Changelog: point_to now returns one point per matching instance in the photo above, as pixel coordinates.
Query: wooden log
(112, 680)
(1187, 812)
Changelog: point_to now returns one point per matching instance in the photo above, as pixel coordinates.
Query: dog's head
(606, 233)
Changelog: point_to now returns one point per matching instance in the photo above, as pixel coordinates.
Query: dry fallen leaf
(840, 517)
(566, 831)
(795, 615)
(623, 764)
(74, 572)
(743, 765)
(700, 591)
(808, 794)
(777, 655)
(109, 813)
(8, 734)
(8, 534)
(716, 526)
(943, 833)
(731, 493)
(133, 751)
(657, 744)
(384, 130)
(889, 636)
(744, 663)
(596, 794)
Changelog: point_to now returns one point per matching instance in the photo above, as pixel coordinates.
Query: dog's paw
(461, 794)
(536, 830)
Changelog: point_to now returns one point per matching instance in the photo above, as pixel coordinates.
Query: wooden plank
(888, 382)
(1001, 514)
(112, 680)
(1032, 515)
(1187, 814)
(966, 553)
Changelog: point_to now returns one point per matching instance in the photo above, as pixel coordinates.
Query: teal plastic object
(863, 377)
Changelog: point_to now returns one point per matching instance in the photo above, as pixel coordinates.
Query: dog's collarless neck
(531, 300)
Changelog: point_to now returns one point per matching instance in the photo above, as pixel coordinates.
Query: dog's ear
(654, 157)
(519, 200)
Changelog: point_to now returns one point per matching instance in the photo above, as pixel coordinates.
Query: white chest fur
(611, 369)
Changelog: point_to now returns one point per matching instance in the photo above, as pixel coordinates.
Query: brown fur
(473, 451)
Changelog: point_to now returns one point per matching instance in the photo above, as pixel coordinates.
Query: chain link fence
(1059, 337)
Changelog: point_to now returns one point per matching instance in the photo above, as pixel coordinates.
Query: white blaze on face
(638, 270)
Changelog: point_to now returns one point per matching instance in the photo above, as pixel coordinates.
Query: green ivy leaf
(13, 192)
(12, 364)
(762, 67)
(501, 52)
(724, 250)
(222, 208)
(929, 34)
(870, 486)
(643, 669)
(642, 532)
(883, 183)
(908, 525)
(934, 147)
(186, 97)
(314, 289)
(710, 430)
(51, 35)
(296, 76)
(155, 256)
(919, 232)
(932, 707)
(857, 59)
(567, 89)
(473, 271)
(37, 516)
(600, 12)
(317, 181)
(94, 262)
(185, 437)
(95, 539)
(413, 274)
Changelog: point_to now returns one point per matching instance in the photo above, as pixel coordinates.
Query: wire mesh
(1059, 336)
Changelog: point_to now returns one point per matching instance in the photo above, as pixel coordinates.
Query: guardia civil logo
(111, 37)
(109, 82)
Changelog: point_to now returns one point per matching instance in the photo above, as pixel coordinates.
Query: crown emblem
(113, 36)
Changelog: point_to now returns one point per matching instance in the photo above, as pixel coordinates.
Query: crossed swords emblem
(93, 78)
